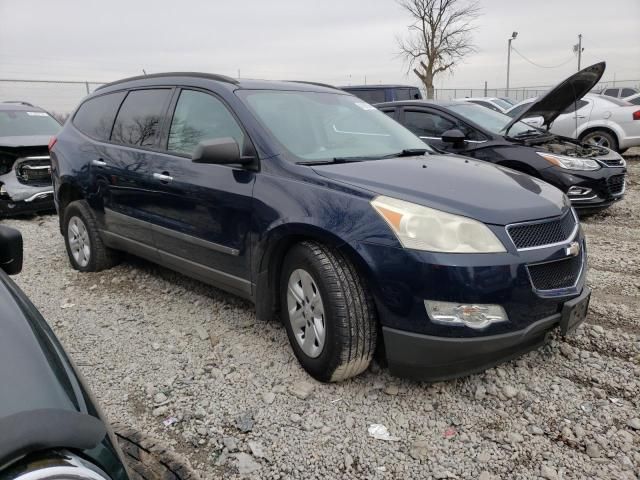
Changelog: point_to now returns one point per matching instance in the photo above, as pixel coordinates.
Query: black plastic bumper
(10, 208)
(430, 358)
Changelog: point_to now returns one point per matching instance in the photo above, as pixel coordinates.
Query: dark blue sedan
(325, 212)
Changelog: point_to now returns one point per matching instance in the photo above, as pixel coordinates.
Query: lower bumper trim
(429, 358)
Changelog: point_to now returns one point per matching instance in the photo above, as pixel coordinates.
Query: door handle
(580, 116)
(99, 163)
(163, 177)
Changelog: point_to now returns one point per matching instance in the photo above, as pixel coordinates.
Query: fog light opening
(578, 191)
(476, 316)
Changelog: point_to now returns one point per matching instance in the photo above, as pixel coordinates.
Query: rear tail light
(636, 115)
(53, 141)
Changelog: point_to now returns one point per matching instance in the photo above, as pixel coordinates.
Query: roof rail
(317, 84)
(19, 102)
(209, 76)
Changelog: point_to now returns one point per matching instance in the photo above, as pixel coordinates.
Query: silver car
(595, 119)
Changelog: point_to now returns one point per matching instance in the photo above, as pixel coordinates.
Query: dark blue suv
(322, 209)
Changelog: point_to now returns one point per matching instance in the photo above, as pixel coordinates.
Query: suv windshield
(493, 121)
(317, 126)
(19, 123)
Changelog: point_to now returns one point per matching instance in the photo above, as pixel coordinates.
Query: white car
(494, 103)
(595, 119)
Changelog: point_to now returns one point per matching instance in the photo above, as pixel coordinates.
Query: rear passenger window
(95, 117)
(611, 92)
(200, 116)
(370, 96)
(403, 94)
(138, 121)
(635, 101)
(627, 92)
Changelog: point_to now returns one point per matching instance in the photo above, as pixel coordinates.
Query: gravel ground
(156, 346)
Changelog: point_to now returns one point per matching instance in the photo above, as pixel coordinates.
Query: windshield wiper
(408, 152)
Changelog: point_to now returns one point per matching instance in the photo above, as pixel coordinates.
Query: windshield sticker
(365, 106)
(36, 114)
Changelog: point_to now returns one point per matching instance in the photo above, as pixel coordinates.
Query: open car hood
(556, 100)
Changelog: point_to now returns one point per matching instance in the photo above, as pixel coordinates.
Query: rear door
(202, 213)
(123, 167)
(572, 117)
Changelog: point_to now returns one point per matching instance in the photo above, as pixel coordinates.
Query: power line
(538, 65)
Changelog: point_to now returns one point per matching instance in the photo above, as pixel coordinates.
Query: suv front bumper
(431, 358)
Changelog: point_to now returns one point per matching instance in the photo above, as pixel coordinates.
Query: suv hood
(556, 100)
(457, 185)
(25, 141)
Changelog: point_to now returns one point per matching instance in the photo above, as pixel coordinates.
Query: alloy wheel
(306, 312)
(598, 140)
(79, 242)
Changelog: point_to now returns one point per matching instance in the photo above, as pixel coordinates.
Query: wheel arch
(272, 251)
(604, 128)
(67, 192)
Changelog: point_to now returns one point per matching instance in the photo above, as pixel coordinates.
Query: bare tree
(439, 37)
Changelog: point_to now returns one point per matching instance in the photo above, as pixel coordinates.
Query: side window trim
(164, 146)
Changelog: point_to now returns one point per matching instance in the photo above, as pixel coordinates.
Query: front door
(202, 213)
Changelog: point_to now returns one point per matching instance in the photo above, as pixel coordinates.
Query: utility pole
(579, 50)
(513, 37)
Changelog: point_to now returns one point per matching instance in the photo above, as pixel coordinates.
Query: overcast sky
(334, 41)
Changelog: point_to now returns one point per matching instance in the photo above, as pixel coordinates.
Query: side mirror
(10, 250)
(220, 151)
(454, 136)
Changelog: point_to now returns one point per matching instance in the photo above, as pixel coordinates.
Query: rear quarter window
(95, 117)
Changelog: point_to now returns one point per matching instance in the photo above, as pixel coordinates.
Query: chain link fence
(62, 97)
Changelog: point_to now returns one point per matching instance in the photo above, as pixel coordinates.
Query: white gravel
(153, 345)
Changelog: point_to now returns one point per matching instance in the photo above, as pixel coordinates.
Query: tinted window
(138, 121)
(370, 96)
(611, 92)
(627, 92)
(426, 124)
(635, 101)
(403, 94)
(95, 117)
(575, 106)
(16, 123)
(200, 116)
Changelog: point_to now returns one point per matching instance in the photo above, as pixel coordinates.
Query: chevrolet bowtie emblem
(573, 249)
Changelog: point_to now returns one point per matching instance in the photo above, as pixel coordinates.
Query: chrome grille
(546, 232)
(616, 162)
(615, 184)
(555, 275)
(34, 170)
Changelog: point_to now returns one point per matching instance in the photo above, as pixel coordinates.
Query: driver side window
(430, 124)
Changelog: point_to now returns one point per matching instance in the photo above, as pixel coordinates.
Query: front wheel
(328, 313)
(601, 139)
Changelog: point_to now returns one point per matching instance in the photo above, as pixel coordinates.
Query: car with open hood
(591, 175)
(25, 168)
(326, 214)
(594, 119)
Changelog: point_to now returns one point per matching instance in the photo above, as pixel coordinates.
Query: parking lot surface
(156, 347)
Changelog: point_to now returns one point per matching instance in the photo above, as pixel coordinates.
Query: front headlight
(570, 163)
(424, 228)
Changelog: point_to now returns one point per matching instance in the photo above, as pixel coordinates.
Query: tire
(601, 138)
(342, 338)
(148, 459)
(85, 248)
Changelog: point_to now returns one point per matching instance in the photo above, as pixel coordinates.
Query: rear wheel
(601, 138)
(328, 313)
(87, 252)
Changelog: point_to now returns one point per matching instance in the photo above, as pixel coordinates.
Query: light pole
(513, 37)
